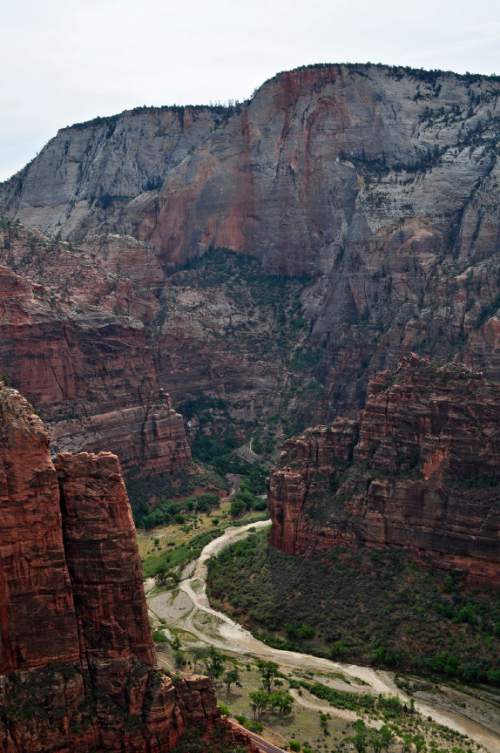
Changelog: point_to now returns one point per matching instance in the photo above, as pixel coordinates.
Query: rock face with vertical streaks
(421, 471)
(77, 662)
(74, 341)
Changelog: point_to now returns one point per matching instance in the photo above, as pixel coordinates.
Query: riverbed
(188, 608)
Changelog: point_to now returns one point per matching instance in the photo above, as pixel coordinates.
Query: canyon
(325, 255)
(418, 472)
(77, 662)
(258, 262)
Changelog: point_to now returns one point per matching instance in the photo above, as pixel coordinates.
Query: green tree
(179, 658)
(199, 654)
(238, 507)
(268, 673)
(407, 743)
(281, 701)
(259, 701)
(223, 709)
(232, 677)
(175, 643)
(386, 737)
(360, 737)
(323, 720)
(339, 649)
(214, 664)
(419, 743)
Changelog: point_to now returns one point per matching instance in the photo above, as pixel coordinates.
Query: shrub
(238, 507)
(159, 636)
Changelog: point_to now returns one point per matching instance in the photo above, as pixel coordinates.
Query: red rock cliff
(73, 341)
(76, 656)
(424, 473)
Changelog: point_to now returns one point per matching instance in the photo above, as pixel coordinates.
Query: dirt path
(190, 610)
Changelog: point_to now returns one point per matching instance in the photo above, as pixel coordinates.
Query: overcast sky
(64, 61)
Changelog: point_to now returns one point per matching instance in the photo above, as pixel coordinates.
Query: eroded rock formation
(421, 471)
(73, 340)
(76, 656)
(372, 191)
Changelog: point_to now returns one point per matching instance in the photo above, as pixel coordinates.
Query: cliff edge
(419, 471)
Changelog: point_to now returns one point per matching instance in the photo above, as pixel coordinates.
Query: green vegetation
(387, 707)
(169, 487)
(219, 454)
(232, 677)
(250, 724)
(167, 563)
(370, 607)
(278, 701)
(173, 511)
(194, 741)
(245, 500)
(159, 636)
(267, 699)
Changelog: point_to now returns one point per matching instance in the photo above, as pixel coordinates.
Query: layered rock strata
(420, 471)
(76, 656)
(73, 339)
(373, 191)
(149, 439)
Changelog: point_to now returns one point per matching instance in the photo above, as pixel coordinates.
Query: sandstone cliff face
(372, 190)
(73, 342)
(101, 165)
(423, 474)
(339, 162)
(76, 656)
(92, 338)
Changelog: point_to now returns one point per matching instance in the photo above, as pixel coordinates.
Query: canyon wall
(76, 656)
(419, 471)
(75, 345)
(86, 175)
(269, 257)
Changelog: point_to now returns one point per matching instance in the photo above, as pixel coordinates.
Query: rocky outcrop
(148, 439)
(76, 656)
(92, 339)
(371, 191)
(73, 341)
(421, 472)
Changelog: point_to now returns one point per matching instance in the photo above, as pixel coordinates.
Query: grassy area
(171, 560)
(170, 535)
(370, 607)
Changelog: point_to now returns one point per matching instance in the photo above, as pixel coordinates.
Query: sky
(65, 61)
